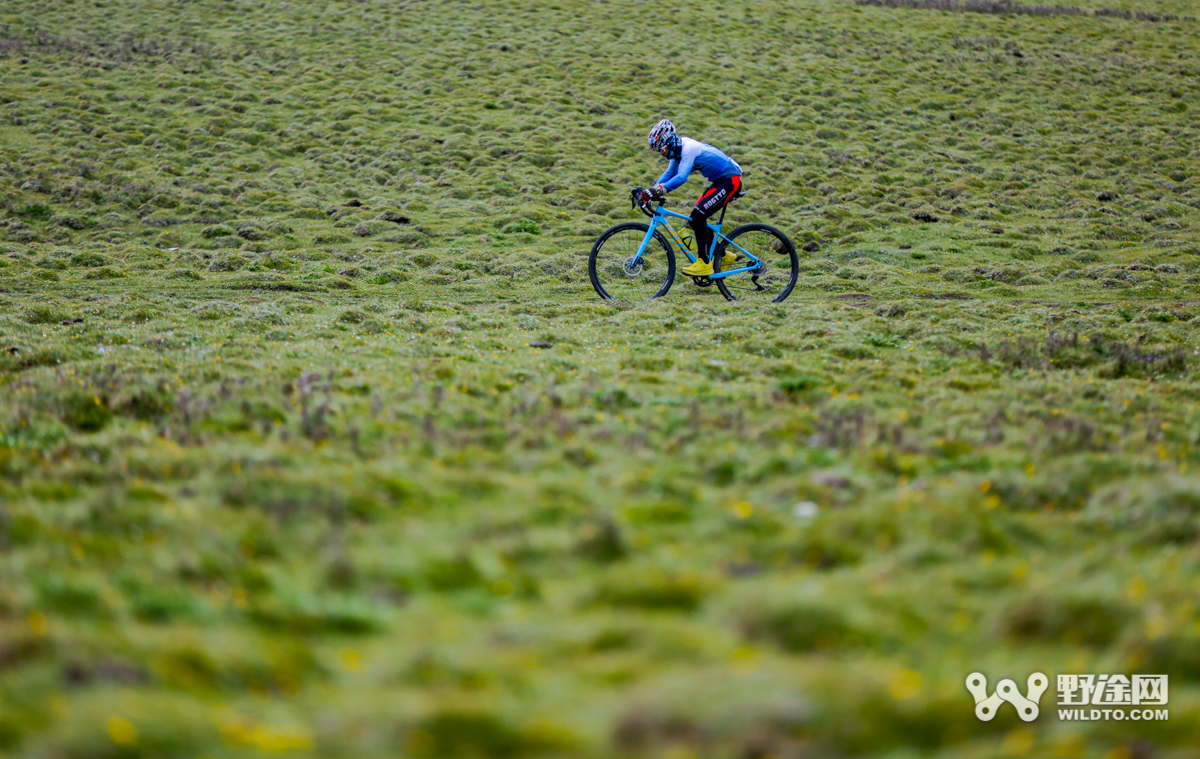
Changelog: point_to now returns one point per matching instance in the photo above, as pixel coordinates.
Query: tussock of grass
(1007, 8)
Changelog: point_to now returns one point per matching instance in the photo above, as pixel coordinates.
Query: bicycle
(635, 261)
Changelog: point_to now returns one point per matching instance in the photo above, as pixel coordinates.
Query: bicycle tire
(776, 277)
(610, 274)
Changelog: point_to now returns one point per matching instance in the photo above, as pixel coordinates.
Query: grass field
(315, 440)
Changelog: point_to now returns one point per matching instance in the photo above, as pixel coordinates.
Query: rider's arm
(672, 167)
(678, 170)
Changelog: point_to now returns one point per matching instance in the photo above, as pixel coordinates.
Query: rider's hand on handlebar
(651, 194)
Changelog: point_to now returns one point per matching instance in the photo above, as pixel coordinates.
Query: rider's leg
(703, 234)
(713, 199)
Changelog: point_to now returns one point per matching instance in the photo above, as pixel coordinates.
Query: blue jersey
(713, 164)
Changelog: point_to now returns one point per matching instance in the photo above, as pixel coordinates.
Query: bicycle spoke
(774, 276)
(617, 272)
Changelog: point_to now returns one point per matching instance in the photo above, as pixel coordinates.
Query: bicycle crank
(702, 281)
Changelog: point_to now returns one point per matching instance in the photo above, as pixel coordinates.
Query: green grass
(282, 470)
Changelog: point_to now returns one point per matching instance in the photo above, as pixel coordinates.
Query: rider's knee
(697, 218)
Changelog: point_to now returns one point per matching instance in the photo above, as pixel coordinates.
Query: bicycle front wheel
(618, 273)
(770, 275)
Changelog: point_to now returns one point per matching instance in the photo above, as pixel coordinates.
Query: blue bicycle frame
(659, 219)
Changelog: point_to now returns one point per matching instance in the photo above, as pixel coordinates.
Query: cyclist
(724, 174)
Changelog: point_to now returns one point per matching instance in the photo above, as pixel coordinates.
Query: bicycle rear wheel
(616, 276)
(774, 276)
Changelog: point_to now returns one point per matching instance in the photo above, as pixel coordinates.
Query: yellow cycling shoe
(728, 260)
(700, 268)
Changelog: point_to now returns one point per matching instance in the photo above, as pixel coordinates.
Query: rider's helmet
(662, 136)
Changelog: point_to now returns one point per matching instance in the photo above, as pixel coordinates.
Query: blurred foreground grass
(283, 472)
